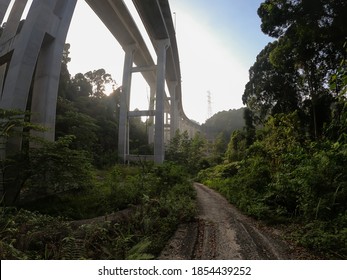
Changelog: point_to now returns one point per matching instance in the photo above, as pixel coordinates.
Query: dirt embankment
(222, 232)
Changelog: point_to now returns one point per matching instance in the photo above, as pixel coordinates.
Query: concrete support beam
(143, 113)
(140, 158)
(144, 68)
(123, 131)
(159, 145)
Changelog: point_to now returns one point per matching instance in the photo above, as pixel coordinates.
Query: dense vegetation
(159, 197)
(289, 164)
(284, 178)
(224, 122)
(63, 202)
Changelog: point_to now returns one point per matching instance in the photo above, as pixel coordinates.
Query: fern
(138, 252)
(73, 248)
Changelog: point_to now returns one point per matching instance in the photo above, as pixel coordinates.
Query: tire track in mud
(222, 232)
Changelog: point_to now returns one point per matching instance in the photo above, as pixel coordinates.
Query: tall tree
(310, 35)
(271, 88)
(99, 79)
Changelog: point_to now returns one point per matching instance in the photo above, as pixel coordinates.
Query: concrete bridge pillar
(159, 144)
(174, 116)
(123, 131)
(47, 73)
(157, 111)
(30, 62)
(150, 129)
(9, 34)
(32, 53)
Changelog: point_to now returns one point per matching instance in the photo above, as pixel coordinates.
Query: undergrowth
(161, 197)
(284, 179)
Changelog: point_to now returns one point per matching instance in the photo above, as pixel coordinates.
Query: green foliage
(225, 122)
(237, 146)
(284, 178)
(293, 72)
(328, 238)
(14, 130)
(271, 89)
(138, 252)
(187, 152)
(87, 110)
(338, 81)
(291, 158)
(54, 167)
(164, 198)
(59, 180)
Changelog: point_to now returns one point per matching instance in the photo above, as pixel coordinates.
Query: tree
(271, 89)
(220, 144)
(237, 146)
(98, 79)
(9, 122)
(138, 136)
(197, 153)
(87, 113)
(187, 152)
(312, 34)
(81, 86)
(224, 121)
(249, 126)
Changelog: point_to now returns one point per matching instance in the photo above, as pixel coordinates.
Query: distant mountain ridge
(224, 121)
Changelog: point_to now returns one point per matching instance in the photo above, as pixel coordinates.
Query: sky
(218, 42)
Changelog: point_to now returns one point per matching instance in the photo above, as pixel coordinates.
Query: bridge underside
(31, 52)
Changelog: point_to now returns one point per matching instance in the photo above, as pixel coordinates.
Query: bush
(159, 209)
(55, 168)
(285, 178)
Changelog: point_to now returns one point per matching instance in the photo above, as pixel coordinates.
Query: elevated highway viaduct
(30, 56)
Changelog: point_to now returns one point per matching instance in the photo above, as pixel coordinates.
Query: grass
(42, 229)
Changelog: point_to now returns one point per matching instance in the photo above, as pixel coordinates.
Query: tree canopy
(293, 72)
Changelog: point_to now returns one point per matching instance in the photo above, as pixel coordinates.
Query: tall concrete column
(13, 20)
(24, 58)
(46, 81)
(123, 130)
(39, 45)
(173, 109)
(159, 145)
(9, 32)
(33, 58)
(150, 129)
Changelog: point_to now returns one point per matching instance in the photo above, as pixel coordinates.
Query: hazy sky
(218, 42)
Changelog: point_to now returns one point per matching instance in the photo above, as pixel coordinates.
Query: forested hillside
(224, 122)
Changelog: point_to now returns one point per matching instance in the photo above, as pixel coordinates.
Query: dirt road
(222, 232)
